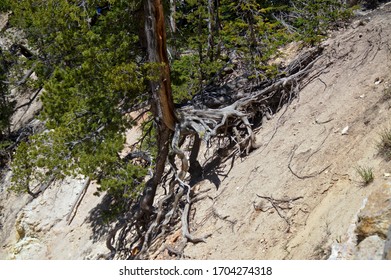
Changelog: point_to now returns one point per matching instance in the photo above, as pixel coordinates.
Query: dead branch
(25, 77)
(31, 100)
(281, 205)
(73, 211)
(185, 227)
(42, 186)
(323, 122)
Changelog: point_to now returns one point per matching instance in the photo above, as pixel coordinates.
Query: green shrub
(4, 5)
(366, 174)
(313, 19)
(384, 144)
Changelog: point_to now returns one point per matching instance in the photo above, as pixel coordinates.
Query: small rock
(345, 130)
(375, 218)
(371, 248)
(378, 81)
(387, 246)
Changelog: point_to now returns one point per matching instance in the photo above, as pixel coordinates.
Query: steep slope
(295, 197)
(307, 160)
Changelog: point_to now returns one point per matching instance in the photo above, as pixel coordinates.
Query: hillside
(306, 159)
(297, 196)
(308, 162)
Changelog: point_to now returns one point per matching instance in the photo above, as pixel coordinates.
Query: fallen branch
(73, 211)
(281, 205)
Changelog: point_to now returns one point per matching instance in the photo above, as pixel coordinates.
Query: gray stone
(375, 218)
(387, 246)
(371, 248)
(3, 21)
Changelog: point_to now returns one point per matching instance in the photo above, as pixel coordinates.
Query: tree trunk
(175, 54)
(162, 105)
(172, 16)
(200, 48)
(211, 18)
(217, 27)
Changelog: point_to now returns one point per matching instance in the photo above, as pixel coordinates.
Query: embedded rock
(3, 21)
(387, 246)
(375, 218)
(371, 248)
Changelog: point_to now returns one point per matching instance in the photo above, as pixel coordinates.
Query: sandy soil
(305, 160)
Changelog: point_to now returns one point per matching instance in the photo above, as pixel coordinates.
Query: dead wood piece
(73, 211)
(280, 205)
(185, 227)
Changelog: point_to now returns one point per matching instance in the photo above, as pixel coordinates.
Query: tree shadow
(97, 218)
(213, 169)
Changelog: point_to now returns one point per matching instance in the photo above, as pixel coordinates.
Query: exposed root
(142, 235)
(185, 227)
(281, 205)
(302, 177)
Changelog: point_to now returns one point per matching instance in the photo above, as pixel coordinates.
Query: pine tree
(6, 109)
(93, 69)
(100, 60)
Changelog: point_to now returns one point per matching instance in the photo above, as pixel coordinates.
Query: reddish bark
(162, 105)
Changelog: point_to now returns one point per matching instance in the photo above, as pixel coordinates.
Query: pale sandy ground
(244, 226)
(348, 93)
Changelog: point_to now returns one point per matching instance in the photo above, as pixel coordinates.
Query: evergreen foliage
(89, 56)
(4, 5)
(90, 65)
(6, 106)
(314, 18)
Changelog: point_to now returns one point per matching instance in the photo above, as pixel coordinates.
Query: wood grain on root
(142, 236)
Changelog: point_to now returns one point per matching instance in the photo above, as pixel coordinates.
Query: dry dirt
(304, 157)
(304, 162)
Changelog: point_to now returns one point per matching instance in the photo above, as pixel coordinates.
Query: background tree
(92, 66)
(4, 5)
(6, 108)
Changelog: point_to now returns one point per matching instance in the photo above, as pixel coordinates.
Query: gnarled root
(146, 231)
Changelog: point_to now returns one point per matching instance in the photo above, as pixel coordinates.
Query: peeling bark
(162, 105)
